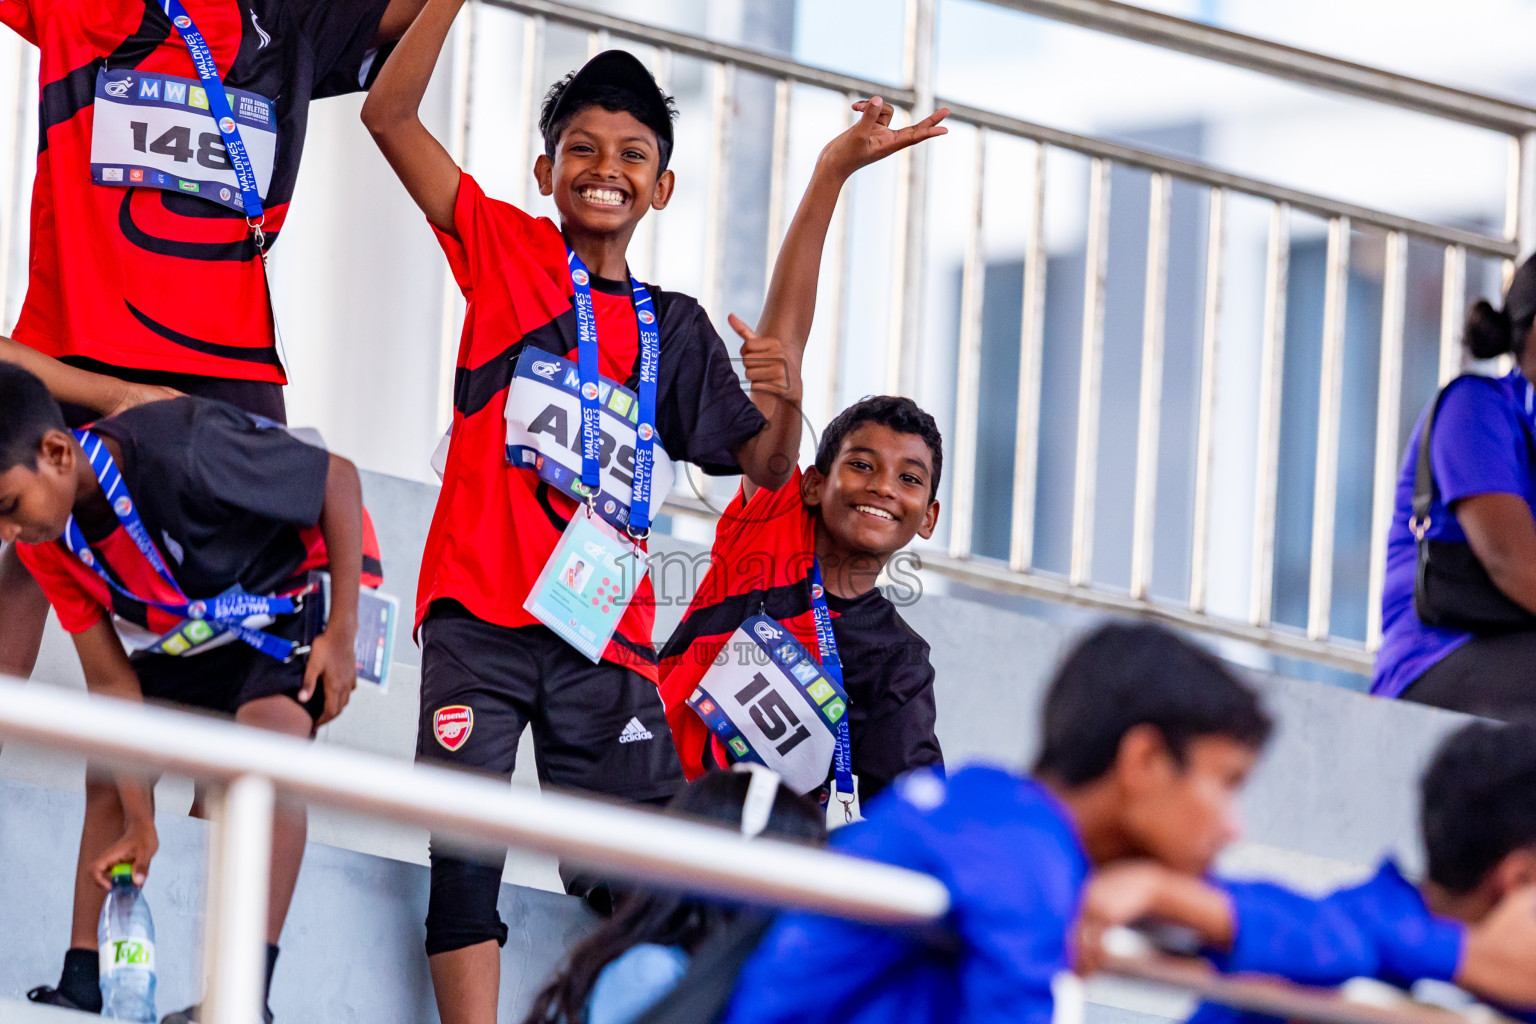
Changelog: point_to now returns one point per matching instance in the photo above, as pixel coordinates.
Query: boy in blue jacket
(1468, 922)
(1147, 743)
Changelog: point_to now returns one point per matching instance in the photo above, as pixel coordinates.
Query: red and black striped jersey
(147, 279)
(761, 563)
(496, 526)
(225, 500)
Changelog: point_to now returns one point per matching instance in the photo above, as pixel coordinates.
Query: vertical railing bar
(1026, 438)
(842, 255)
(1271, 378)
(1453, 301)
(778, 174)
(528, 101)
(912, 213)
(1525, 216)
(1090, 373)
(1513, 185)
(653, 243)
(1394, 296)
(1148, 428)
(1325, 490)
(235, 931)
(597, 42)
(719, 190)
(968, 369)
(1205, 430)
(458, 147)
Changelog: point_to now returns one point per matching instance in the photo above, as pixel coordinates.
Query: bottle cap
(121, 871)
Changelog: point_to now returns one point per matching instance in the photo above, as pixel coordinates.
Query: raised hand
(871, 138)
(770, 365)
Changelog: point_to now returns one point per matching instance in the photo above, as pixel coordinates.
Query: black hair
(27, 412)
(614, 99)
(1478, 801)
(671, 919)
(899, 414)
(1122, 676)
(1491, 332)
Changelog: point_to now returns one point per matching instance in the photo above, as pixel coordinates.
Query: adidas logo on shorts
(634, 732)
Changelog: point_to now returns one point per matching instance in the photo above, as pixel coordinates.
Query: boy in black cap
(569, 370)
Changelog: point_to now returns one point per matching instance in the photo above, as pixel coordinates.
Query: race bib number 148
(156, 131)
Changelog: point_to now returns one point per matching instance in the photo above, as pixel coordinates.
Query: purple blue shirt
(1015, 869)
(1481, 445)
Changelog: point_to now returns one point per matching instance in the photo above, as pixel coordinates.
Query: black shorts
(596, 728)
(229, 677)
(1491, 676)
(261, 397)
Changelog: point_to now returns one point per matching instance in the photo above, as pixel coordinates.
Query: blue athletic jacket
(1015, 870)
(1379, 929)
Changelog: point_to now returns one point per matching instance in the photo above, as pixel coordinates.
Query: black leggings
(1491, 676)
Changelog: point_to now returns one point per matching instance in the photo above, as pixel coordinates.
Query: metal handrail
(249, 769)
(1280, 61)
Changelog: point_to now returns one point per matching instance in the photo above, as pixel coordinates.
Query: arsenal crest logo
(452, 725)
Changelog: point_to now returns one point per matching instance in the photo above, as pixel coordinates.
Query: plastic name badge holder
(587, 584)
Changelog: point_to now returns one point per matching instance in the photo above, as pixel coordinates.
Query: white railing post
(913, 203)
(235, 932)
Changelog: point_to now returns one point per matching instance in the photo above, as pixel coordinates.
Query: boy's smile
(877, 496)
(604, 177)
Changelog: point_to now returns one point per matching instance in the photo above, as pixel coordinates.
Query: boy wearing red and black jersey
(145, 520)
(489, 667)
(870, 492)
(155, 286)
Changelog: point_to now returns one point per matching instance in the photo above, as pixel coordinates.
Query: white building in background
(369, 318)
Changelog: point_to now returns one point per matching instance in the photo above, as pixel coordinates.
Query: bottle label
(127, 953)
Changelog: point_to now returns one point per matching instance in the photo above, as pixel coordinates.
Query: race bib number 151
(156, 131)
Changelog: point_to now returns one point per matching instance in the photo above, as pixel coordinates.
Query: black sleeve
(702, 412)
(236, 463)
(340, 34)
(898, 733)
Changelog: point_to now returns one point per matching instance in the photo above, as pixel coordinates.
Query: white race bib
(544, 435)
(155, 131)
(769, 701)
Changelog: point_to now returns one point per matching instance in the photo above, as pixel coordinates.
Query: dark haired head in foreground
(1478, 816)
(670, 919)
(1164, 730)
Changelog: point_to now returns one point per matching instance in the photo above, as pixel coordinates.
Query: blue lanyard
(225, 613)
(832, 664)
(587, 365)
(218, 106)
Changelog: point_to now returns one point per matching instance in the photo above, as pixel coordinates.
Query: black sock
(81, 981)
(272, 952)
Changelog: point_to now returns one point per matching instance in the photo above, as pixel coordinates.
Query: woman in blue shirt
(1481, 454)
(641, 953)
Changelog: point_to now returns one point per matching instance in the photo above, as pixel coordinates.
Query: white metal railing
(247, 770)
(905, 341)
(1018, 572)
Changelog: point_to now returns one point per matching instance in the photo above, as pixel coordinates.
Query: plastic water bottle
(126, 940)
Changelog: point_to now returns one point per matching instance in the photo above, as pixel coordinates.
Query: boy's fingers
(740, 327)
(872, 110)
(311, 676)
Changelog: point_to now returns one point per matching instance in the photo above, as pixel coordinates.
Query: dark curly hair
(611, 98)
(899, 414)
